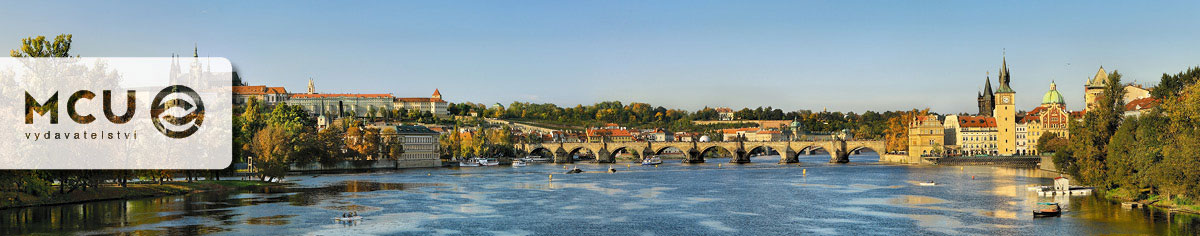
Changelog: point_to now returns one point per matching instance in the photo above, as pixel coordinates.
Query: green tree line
(1147, 157)
(869, 124)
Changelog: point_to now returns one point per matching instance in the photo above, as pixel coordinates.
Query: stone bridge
(606, 152)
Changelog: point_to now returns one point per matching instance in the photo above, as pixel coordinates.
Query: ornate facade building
(926, 136)
(1049, 117)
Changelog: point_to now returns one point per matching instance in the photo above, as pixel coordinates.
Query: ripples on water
(761, 198)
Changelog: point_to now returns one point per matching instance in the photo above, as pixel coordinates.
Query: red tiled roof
(258, 90)
(1141, 103)
(1035, 111)
(337, 95)
(770, 132)
(437, 93)
(611, 132)
(419, 100)
(724, 109)
(976, 121)
(1030, 118)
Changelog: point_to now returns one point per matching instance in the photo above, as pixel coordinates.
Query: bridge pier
(740, 156)
(693, 157)
(561, 156)
(788, 156)
(603, 156)
(839, 157)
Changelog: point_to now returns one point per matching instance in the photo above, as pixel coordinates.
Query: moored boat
(488, 162)
(468, 163)
(1048, 209)
(518, 163)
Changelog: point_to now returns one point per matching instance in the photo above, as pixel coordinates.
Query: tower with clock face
(1005, 114)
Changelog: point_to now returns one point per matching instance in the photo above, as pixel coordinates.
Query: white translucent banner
(76, 113)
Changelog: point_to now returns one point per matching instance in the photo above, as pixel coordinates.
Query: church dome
(1052, 96)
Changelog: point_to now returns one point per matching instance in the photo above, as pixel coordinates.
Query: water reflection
(758, 198)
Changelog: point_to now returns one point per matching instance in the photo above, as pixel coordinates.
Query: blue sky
(839, 55)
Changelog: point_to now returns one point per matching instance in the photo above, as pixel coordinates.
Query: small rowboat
(1049, 209)
(346, 219)
(930, 183)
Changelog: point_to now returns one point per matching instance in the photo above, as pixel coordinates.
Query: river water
(761, 198)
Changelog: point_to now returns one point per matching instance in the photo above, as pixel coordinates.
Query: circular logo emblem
(194, 108)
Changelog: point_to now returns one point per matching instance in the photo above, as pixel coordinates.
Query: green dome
(1053, 97)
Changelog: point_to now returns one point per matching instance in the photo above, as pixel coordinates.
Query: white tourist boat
(488, 162)
(653, 160)
(468, 163)
(519, 163)
(531, 159)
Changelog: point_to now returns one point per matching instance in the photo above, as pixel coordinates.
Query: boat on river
(468, 163)
(653, 160)
(347, 219)
(488, 162)
(930, 183)
(1048, 209)
(531, 159)
(518, 163)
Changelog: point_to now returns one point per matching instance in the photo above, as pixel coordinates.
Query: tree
(40, 47)
(1171, 85)
(272, 147)
(1135, 150)
(1051, 143)
(394, 145)
(1177, 172)
(1089, 148)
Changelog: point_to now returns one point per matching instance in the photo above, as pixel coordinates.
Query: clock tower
(1005, 114)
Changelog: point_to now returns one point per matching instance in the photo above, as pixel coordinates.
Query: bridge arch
(637, 152)
(850, 151)
(715, 151)
(661, 149)
(578, 150)
(544, 152)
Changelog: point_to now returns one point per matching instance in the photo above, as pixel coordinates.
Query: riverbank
(1173, 205)
(133, 190)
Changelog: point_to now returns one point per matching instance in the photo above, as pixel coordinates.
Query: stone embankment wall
(1019, 162)
(898, 158)
(367, 165)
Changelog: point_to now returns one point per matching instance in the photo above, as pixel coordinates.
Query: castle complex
(342, 104)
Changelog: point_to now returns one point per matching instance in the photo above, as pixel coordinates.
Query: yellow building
(926, 137)
(1006, 115)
